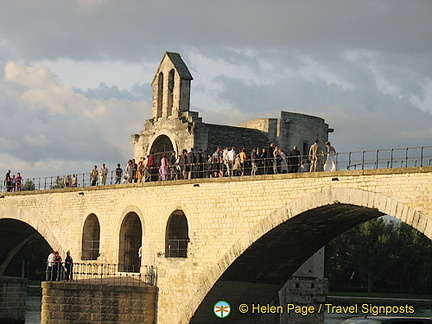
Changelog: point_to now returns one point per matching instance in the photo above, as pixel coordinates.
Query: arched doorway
(177, 236)
(90, 238)
(130, 242)
(162, 144)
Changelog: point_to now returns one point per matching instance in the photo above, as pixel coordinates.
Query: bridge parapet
(225, 217)
(356, 160)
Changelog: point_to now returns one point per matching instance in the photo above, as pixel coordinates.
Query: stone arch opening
(171, 86)
(130, 243)
(177, 236)
(159, 95)
(24, 250)
(266, 264)
(162, 144)
(90, 238)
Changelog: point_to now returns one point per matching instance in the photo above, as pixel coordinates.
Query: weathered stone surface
(116, 304)
(13, 295)
(224, 222)
(173, 127)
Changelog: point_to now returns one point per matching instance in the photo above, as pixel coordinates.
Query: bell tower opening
(171, 86)
(159, 96)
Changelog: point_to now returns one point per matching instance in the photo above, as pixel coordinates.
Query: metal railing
(95, 273)
(356, 160)
(177, 248)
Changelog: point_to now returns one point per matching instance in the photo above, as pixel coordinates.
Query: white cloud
(39, 140)
(43, 92)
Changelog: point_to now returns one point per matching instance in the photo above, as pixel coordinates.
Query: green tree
(380, 256)
(28, 186)
(58, 183)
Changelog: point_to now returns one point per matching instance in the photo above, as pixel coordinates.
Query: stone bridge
(237, 239)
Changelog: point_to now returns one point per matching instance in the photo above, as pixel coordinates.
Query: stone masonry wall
(13, 295)
(225, 216)
(64, 303)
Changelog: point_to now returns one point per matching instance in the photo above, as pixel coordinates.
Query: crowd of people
(57, 269)
(223, 162)
(12, 182)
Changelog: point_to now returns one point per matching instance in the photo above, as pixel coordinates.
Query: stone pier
(76, 302)
(13, 294)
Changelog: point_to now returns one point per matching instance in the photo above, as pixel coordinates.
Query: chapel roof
(179, 64)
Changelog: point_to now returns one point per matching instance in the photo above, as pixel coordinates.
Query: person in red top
(152, 168)
(18, 182)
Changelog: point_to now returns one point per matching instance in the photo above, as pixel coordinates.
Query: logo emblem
(222, 309)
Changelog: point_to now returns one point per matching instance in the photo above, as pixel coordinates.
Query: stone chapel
(173, 127)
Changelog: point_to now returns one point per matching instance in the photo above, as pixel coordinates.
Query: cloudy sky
(75, 74)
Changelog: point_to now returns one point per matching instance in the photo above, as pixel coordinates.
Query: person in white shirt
(103, 173)
(50, 266)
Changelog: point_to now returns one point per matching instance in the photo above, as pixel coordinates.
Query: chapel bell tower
(171, 87)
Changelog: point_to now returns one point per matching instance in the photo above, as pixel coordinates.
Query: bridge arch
(341, 207)
(35, 222)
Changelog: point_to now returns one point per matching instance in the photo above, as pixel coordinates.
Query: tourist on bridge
(163, 169)
(330, 163)
(140, 171)
(50, 266)
(254, 160)
(118, 174)
(294, 160)
(8, 181)
(94, 176)
(69, 266)
(283, 161)
(18, 182)
(103, 173)
(152, 167)
(173, 165)
(313, 157)
(191, 160)
(183, 164)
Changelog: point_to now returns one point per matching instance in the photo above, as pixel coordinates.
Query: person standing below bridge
(50, 266)
(94, 176)
(313, 157)
(103, 173)
(69, 266)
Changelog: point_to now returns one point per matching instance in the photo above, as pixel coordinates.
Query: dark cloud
(362, 65)
(137, 93)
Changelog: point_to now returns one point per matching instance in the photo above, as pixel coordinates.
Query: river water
(33, 313)
(33, 310)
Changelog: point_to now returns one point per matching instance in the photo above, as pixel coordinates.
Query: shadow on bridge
(260, 272)
(23, 250)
